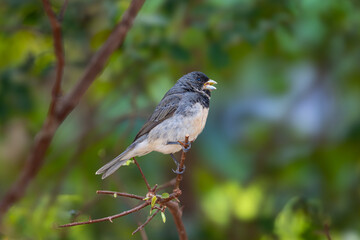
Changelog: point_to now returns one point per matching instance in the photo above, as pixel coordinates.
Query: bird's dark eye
(198, 79)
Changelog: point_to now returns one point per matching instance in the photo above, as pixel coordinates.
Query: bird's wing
(163, 111)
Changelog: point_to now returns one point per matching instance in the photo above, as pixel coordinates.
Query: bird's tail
(114, 164)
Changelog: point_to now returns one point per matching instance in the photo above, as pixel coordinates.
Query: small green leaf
(153, 201)
(163, 217)
(115, 195)
(147, 198)
(165, 195)
(128, 162)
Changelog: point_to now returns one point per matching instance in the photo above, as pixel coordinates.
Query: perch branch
(160, 204)
(182, 161)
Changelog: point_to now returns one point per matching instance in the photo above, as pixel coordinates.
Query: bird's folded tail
(114, 164)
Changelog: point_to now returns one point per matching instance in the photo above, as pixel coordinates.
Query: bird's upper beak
(209, 85)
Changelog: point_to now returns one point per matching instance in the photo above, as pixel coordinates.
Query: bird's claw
(177, 171)
(185, 147)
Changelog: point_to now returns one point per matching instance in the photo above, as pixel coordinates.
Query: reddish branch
(110, 218)
(143, 176)
(177, 214)
(115, 194)
(327, 231)
(146, 222)
(162, 202)
(182, 160)
(60, 108)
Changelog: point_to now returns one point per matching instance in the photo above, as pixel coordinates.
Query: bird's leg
(177, 171)
(184, 148)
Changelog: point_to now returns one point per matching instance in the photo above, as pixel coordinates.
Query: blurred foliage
(278, 159)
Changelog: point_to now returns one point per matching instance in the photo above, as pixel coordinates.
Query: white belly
(176, 128)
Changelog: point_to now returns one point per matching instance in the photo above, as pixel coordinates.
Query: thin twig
(143, 233)
(146, 222)
(110, 218)
(142, 174)
(172, 182)
(62, 11)
(182, 161)
(129, 195)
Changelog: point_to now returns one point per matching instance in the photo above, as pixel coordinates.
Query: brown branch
(59, 53)
(62, 11)
(177, 214)
(146, 222)
(143, 176)
(58, 111)
(120, 194)
(98, 61)
(110, 218)
(182, 161)
(327, 231)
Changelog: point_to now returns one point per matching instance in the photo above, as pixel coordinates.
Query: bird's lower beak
(209, 85)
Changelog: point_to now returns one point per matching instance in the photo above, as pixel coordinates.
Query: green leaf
(165, 195)
(128, 162)
(115, 195)
(153, 201)
(163, 217)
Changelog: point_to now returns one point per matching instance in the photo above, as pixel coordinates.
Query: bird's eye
(198, 79)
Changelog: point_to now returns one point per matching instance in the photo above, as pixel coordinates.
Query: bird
(182, 111)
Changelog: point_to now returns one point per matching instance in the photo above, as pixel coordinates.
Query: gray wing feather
(163, 111)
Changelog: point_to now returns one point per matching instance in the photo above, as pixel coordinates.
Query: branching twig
(146, 222)
(156, 201)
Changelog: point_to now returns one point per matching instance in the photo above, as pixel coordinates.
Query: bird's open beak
(209, 85)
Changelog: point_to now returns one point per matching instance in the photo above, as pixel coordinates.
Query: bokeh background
(278, 159)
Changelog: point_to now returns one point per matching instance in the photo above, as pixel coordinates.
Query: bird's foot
(185, 147)
(177, 171)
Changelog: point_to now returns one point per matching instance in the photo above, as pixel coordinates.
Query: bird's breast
(195, 120)
(191, 120)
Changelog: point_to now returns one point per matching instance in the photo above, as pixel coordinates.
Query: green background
(279, 156)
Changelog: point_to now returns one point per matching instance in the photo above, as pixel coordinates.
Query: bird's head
(198, 81)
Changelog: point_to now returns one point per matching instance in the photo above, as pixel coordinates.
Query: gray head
(197, 81)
